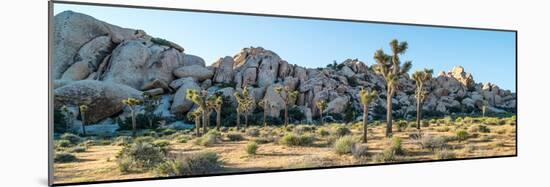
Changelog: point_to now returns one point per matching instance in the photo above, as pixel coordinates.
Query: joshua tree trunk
(389, 113)
(245, 120)
(265, 124)
(286, 116)
(197, 126)
(83, 125)
(365, 122)
(150, 122)
(418, 113)
(238, 120)
(204, 123)
(322, 121)
(133, 122)
(218, 120)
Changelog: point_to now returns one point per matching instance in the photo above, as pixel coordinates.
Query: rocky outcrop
(87, 50)
(103, 99)
(181, 104)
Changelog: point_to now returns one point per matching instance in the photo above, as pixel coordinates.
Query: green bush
(300, 129)
(208, 139)
(59, 121)
(167, 132)
(140, 155)
(425, 123)
(484, 129)
(144, 139)
(396, 146)
(344, 145)
(401, 125)
(445, 154)
(192, 164)
(78, 149)
(388, 155)
(324, 132)
(64, 158)
(359, 150)
(433, 142)
(342, 131)
(161, 143)
(64, 143)
(292, 139)
(234, 136)
(251, 148)
(74, 139)
(254, 132)
(122, 140)
(462, 135)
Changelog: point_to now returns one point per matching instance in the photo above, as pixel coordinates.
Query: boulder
(102, 98)
(337, 105)
(181, 104)
(275, 99)
(72, 30)
(161, 65)
(88, 58)
(190, 60)
(249, 77)
(346, 71)
(223, 70)
(197, 72)
(127, 64)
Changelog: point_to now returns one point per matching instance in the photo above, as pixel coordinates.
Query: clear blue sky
(488, 55)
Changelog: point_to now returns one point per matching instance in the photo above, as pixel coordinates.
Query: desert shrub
(401, 125)
(484, 129)
(122, 140)
(458, 120)
(433, 121)
(266, 139)
(63, 143)
(59, 121)
(323, 132)
(72, 138)
(469, 148)
(78, 149)
(300, 129)
(192, 164)
(160, 41)
(445, 154)
(485, 138)
(234, 136)
(501, 131)
(342, 131)
(388, 155)
(208, 139)
(396, 146)
(144, 139)
(359, 150)
(64, 158)
(447, 120)
(499, 143)
(182, 139)
(344, 145)
(167, 132)
(292, 139)
(462, 135)
(161, 143)
(140, 155)
(254, 132)
(425, 123)
(251, 148)
(433, 142)
(443, 129)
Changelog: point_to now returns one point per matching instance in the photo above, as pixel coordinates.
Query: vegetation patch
(292, 139)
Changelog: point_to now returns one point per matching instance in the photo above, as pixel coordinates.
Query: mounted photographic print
(140, 93)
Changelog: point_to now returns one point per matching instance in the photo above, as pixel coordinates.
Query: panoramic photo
(149, 93)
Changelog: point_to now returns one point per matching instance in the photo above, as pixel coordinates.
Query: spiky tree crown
(321, 104)
(366, 97)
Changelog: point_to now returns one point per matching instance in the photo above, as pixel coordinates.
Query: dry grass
(98, 163)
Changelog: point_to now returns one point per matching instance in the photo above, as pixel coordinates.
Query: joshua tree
(196, 115)
(83, 109)
(245, 105)
(420, 77)
(288, 98)
(321, 105)
(200, 100)
(391, 69)
(484, 108)
(131, 103)
(264, 103)
(150, 103)
(366, 97)
(68, 117)
(216, 101)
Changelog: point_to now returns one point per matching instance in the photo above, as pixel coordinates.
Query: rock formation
(99, 64)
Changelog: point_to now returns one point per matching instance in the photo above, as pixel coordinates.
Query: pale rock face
(72, 30)
(127, 64)
(223, 70)
(276, 100)
(103, 99)
(161, 65)
(180, 103)
(307, 113)
(88, 58)
(337, 105)
(228, 92)
(197, 72)
(285, 69)
(346, 71)
(249, 77)
(189, 60)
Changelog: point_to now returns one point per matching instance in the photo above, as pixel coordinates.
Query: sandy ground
(98, 163)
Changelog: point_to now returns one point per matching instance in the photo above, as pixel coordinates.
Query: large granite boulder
(181, 104)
